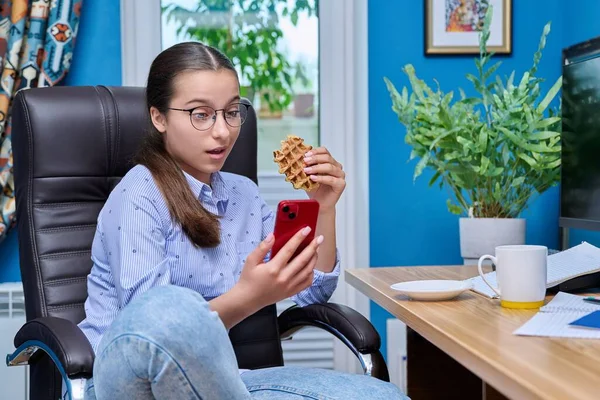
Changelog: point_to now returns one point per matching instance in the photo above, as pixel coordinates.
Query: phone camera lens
(285, 209)
(292, 215)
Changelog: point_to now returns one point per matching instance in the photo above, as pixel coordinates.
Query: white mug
(521, 273)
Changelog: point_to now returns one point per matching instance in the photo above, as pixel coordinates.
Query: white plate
(432, 289)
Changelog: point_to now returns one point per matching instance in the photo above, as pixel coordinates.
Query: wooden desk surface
(477, 332)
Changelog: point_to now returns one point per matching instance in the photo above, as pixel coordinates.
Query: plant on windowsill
(494, 152)
(248, 32)
(304, 97)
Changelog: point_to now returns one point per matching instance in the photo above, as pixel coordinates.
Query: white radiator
(13, 380)
(311, 347)
(396, 352)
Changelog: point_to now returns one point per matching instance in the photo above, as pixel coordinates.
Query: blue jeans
(168, 344)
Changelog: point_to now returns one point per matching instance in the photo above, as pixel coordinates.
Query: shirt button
(221, 274)
(190, 276)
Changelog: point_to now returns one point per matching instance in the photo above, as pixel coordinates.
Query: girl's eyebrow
(209, 103)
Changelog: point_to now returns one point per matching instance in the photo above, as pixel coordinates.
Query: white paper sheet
(556, 324)
(481, 287)
(566, 302)
(576, 261)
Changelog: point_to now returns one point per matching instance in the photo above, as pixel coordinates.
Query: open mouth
(217, 151)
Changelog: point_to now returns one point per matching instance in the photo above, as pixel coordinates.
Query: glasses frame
(214, 119)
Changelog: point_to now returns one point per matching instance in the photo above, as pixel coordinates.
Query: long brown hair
(201, 226)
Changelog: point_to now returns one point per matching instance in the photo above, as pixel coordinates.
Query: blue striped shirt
(137, 246)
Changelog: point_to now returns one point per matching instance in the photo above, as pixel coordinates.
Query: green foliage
(493, 152)
(248, 32)
(303, 82)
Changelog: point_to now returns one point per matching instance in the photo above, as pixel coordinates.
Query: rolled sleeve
(322, 288)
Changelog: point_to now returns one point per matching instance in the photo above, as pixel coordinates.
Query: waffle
(290, 160)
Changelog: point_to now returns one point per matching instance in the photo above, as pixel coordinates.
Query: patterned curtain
(36, 45)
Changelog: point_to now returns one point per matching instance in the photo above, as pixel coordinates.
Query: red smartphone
(291, 216)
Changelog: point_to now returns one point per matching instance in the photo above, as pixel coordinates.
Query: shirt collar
(219, 187)
(218, 191)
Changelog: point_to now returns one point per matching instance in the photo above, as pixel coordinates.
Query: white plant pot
(479, 236)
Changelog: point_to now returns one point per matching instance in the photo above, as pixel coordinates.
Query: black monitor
(580, 139)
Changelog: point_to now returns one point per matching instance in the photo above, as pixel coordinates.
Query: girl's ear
(158, 120)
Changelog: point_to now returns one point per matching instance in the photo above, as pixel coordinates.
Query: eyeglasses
(204, 117)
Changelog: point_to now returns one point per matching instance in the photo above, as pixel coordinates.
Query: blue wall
(96, 61)
(410, 224)
(97, 54)
(581, 22)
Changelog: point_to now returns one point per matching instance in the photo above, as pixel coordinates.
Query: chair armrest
(335, 318)
(61, 339)
(348, 325)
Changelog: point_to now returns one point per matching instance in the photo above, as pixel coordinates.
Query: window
(275, 48)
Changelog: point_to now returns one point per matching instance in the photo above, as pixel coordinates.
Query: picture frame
(452, 26)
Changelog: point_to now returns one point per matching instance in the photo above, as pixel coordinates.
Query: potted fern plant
(494, 153)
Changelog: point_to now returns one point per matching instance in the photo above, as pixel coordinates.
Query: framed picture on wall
(453, 26)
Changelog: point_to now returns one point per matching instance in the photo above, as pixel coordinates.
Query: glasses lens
(235, 114)
(202, 118)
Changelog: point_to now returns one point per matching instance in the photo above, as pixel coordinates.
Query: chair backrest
(71, 146)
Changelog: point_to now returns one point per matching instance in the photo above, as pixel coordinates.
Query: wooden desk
(476, 334)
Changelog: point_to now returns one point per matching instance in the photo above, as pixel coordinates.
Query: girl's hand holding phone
(284, 275)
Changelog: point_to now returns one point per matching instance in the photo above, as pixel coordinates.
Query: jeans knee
(167, 312)
(169, 296)
(387, 390)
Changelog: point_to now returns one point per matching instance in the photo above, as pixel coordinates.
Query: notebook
(577, 261)
(557, 318)
(557, 324)
(566, 302)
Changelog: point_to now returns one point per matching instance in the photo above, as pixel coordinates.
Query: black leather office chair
(71, 146)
